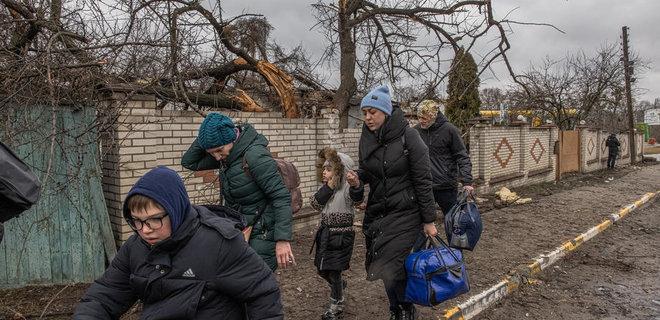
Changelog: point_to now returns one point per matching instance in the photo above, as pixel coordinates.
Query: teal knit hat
(216, 130)
(378, 98)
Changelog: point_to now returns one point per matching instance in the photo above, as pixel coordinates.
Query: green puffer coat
(262, 189)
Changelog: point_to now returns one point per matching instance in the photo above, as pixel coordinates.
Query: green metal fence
(66, 236)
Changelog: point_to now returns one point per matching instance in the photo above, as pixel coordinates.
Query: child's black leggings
(333, 277)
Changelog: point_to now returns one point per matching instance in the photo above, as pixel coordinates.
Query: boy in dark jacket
(335, 236)
(450, 162)
(183, 262)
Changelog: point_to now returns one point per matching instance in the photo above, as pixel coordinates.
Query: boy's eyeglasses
(154, 223)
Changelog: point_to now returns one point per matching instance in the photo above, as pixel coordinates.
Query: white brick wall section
(166, 135)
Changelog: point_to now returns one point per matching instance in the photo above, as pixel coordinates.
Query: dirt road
(614, 276)
(512, 236)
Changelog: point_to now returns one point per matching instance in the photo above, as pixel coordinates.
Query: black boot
(409, 313)
(335, 310)
(395, 314)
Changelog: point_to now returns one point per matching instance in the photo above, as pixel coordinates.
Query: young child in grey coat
(335, 236)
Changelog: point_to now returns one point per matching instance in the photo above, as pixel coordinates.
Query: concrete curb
(519, 276)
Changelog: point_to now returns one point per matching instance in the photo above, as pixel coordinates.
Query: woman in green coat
(257, 191)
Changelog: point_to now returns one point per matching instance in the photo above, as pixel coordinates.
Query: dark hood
(164, 186)
(439, 120)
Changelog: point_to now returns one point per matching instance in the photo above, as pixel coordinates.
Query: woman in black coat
(394, 161)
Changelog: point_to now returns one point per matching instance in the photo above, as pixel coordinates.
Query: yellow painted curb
(480, 302)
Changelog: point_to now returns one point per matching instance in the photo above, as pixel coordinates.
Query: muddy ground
(512, 236)
(613, 276)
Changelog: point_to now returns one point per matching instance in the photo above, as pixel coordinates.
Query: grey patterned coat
(335, 236)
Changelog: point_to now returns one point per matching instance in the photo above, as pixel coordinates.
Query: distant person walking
(613, 145)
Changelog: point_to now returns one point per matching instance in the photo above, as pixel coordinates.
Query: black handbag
(19, 187)
(463, 224)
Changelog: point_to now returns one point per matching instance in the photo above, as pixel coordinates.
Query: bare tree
(578, 87)
(58, 53)
(405, 39)
(491, 98)
(183, 51)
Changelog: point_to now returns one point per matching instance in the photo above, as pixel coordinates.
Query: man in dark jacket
(450, 161)
(612, 144)
(183, 262)
(251, 183)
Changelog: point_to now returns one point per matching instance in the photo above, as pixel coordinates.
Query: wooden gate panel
(65, 237)
(569, 151)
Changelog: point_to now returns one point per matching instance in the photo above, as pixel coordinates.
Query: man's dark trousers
(611, 159)
(445, 198)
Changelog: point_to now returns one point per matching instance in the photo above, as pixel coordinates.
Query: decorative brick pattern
(597, 158)
(537, 150)
(501, 156)
(507, 152)
(541, 149)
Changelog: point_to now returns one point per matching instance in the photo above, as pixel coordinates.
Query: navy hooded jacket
(205, 270)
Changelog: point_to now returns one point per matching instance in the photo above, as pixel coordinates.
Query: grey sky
(588, 25)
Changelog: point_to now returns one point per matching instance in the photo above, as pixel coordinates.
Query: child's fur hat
(329, 157)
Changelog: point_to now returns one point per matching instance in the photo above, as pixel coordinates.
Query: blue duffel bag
(435, 273)
(463, 224)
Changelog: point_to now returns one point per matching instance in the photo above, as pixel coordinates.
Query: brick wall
(594, 152)
(519, 155)
(511, 156)
(146, 137)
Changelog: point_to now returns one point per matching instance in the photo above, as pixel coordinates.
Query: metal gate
(569, 151)
(66, 236)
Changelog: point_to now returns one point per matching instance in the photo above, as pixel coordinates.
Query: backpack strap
(244, 164)
(246, 167)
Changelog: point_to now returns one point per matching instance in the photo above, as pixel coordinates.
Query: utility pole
(628, 70)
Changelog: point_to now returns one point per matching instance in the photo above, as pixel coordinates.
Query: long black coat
(448, 154)
(206, 271)
(400, 196)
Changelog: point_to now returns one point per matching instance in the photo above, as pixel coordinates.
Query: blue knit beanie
(378, 98)
(216, 130)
